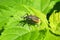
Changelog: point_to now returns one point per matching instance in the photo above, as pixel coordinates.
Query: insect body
(32, 19)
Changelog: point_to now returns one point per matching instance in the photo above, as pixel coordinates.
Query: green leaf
(49, 7)
(51, 36)
(18, 33)
(55, 22)
(14, 21)
(41, 5)
(11, 12)
(15, 31)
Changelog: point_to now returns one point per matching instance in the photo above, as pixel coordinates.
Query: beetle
(32, 18)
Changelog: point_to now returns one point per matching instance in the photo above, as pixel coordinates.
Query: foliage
(12, 27)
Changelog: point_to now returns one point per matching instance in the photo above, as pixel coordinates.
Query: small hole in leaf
(11, 16)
